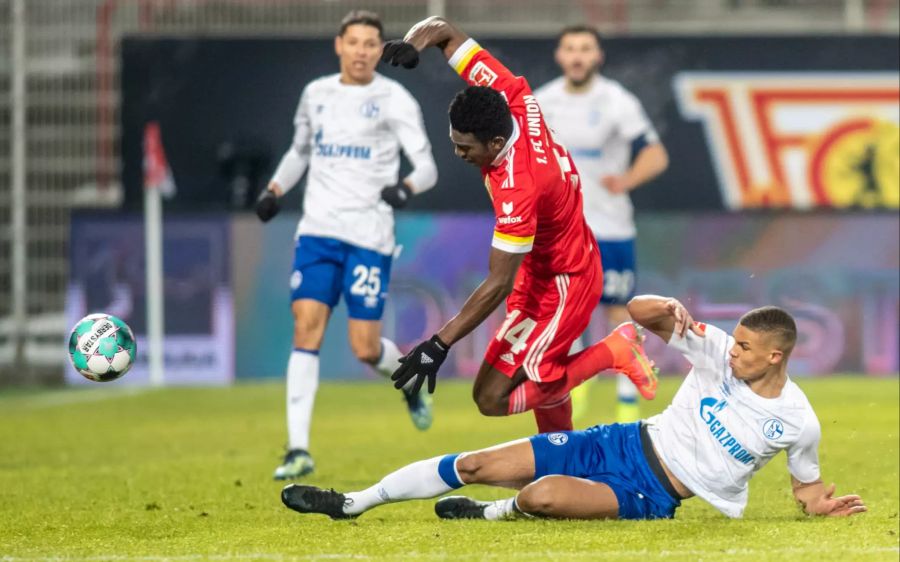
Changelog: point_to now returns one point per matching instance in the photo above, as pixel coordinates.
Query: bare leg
(499, 395)
(567, 497)
(557, 496)
(509, 465)
(492, 388)
(369, 347)
(310, 320)
(365, 339)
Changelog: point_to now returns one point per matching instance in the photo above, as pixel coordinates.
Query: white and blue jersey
(713, 437)
(350, 138)
(717, 432)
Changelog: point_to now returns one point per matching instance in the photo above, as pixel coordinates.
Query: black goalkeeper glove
(397, 196)
(399, 52)
(267, 205)
(422, 363)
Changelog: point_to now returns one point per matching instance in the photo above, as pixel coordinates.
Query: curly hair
(481, 111)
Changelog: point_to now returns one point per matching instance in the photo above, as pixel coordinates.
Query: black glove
(422, 362)
(267, 205)
(397, 196)
(399, 52)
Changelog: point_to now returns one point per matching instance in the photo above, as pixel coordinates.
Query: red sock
(529, 395)
(580, 367)
(588, 362)
(554, 417)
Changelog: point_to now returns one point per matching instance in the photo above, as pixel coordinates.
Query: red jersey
(533, 183)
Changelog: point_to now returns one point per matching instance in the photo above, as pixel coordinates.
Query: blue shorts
(610, 454)
(324, 268)
(618, 270)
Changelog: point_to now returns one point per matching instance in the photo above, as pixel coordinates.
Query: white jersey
(350, 137)
(717, 432)
(597, 127)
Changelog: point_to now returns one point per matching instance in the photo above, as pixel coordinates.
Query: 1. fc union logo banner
(801, 140)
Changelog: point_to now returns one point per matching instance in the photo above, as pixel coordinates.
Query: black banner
(225, 109)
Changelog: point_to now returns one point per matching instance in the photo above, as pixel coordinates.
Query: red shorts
(543, 317)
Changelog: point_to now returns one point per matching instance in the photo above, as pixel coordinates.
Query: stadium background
(795, 211)
(90, 90)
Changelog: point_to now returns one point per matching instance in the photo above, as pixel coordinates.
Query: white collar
(509, 143)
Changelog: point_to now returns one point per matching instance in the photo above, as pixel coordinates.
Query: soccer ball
(102, 347)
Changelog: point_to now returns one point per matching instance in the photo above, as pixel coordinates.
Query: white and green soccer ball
(102, 347)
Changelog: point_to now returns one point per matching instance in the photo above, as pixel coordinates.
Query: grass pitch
(109, 473)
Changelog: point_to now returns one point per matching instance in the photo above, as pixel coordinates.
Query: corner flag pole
(154, 182)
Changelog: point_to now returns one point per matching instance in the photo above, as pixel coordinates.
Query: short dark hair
(362, 17)
(481, 111)
(579, 28)
(775, 321)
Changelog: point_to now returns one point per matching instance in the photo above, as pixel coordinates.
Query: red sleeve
(478, 67)
(515, 207)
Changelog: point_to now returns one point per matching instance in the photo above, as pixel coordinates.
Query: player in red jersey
(543, 261)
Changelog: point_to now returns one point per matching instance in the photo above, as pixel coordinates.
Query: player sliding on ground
(736, 409)
(544, 261)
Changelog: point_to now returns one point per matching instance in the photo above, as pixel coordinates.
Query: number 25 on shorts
(368, 281)
(516, 333)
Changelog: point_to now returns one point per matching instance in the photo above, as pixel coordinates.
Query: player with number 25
(349, 130)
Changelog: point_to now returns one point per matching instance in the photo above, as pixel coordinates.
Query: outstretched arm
(662, 315)
(502, 270)
(436, 32)
(423, 362)
(473, 63)
(816, 499)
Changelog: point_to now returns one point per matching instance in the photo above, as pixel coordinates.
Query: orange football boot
(626, 343)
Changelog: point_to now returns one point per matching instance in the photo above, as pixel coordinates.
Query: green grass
(108, 473)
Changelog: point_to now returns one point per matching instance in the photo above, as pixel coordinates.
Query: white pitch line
(188, 557)
(461, 556)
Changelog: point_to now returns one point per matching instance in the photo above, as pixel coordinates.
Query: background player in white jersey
(616, 150)
(350, 128)
(736, 409)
